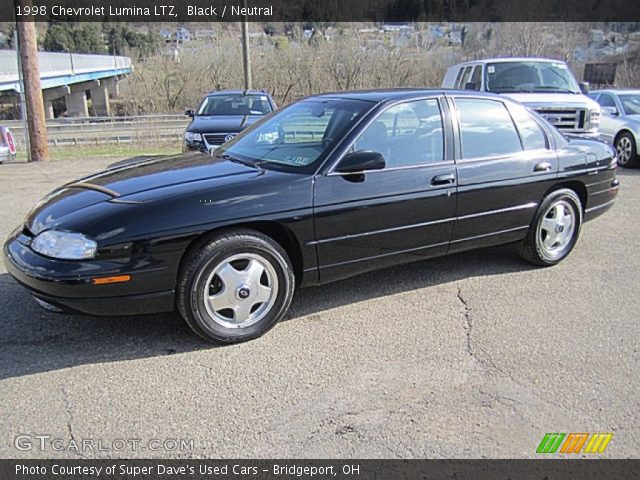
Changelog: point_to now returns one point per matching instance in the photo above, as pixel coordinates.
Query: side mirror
(190, 113)
(610, 111)
(361, 161)
(584, 87)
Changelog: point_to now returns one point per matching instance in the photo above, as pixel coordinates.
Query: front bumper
(67, 285)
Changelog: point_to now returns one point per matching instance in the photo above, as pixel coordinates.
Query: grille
(567, 119)
(217, 138)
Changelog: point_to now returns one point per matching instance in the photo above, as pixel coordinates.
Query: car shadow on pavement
(35, 340)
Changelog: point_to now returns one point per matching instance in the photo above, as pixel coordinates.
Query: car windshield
(299, 135)
(504, 77)
(234, 104)
(630, 103)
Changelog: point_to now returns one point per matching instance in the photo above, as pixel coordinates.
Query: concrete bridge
(69, 75)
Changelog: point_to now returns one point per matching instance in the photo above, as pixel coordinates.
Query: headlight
(594, 119)
(64, 245)
(192, 137)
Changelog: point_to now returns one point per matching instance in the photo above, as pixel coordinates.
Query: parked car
(328, 187)
(620, 124)
(7, 145)
(544, 85)
(222, 115)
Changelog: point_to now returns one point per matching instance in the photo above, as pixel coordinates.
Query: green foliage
(83, 37)
(112, 38)
(122, 39)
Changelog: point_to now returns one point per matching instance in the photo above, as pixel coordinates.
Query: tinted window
(476, 78)
(606, 100)
(531, 133)
(486, 128)
(465, 77)
(406, 134)
(458, 77)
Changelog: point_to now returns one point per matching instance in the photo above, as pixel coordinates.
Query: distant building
(183, 35)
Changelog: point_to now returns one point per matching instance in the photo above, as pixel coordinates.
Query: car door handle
(542, 167)
(443, 179)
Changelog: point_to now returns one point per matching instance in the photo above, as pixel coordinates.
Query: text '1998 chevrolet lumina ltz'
(328, 187)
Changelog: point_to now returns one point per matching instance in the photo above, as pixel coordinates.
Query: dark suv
(224, 114)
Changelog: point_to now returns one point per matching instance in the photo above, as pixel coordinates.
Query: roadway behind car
(472, 355)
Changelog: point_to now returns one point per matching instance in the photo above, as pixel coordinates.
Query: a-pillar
(77, 104)
(100, 100)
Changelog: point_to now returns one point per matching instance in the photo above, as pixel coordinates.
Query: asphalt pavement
(474, 355)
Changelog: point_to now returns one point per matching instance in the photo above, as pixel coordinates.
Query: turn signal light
(116, 279)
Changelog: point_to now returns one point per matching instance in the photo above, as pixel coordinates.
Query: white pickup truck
(544, 85)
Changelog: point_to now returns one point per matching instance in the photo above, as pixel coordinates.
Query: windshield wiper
(552, 89)
(248, 163)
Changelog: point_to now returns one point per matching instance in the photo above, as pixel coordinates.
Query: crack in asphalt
(468, 322)
(67, 403)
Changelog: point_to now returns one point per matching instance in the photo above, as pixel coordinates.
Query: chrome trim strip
(501, 210)
(384, 255)
(606, 190)
(439, 163)
(422, 248)
(610, 202)
(423, 224)
(385, 230)
(508, 230)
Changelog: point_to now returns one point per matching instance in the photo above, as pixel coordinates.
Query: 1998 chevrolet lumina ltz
(331, 186)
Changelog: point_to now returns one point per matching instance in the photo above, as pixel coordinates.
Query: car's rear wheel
(627, 151)
(555, 229)
(235, 286)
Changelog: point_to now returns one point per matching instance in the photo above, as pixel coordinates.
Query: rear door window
(486, 128)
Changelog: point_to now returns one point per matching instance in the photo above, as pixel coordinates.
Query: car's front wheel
(627, 151)
(554, 230)
(235, 286)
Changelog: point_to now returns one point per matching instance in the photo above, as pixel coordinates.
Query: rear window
(235, 104)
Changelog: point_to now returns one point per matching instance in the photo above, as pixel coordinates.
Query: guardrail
(105, 130)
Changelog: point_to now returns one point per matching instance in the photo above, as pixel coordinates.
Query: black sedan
(331, 186)
(222, 115)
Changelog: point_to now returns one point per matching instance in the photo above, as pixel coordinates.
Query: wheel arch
(578, 187)
(274, 230)
(623, 131)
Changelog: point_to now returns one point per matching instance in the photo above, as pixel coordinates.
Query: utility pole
(23, 106)
(32, 92)
(246, 58)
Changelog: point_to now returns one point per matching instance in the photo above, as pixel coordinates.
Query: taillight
(12, 145)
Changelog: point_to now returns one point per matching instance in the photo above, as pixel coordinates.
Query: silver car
(620, 122)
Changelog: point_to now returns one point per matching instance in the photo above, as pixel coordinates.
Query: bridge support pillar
(100, 100)
(77, 104)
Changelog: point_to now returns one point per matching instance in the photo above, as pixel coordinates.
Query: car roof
(236, 92)
(616, 90)
(508, 59)
(390, 94)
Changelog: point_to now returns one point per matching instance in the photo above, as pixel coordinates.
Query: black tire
(627, 151)
(214, 254)
(533, 248)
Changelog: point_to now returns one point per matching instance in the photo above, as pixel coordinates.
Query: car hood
(536, 100)
(133, 184)
(222, 123)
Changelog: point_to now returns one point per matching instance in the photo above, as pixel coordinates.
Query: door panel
(382, 218)
(506, 168)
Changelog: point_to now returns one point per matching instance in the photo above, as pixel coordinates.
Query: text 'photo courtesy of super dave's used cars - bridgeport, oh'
(325, 188)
